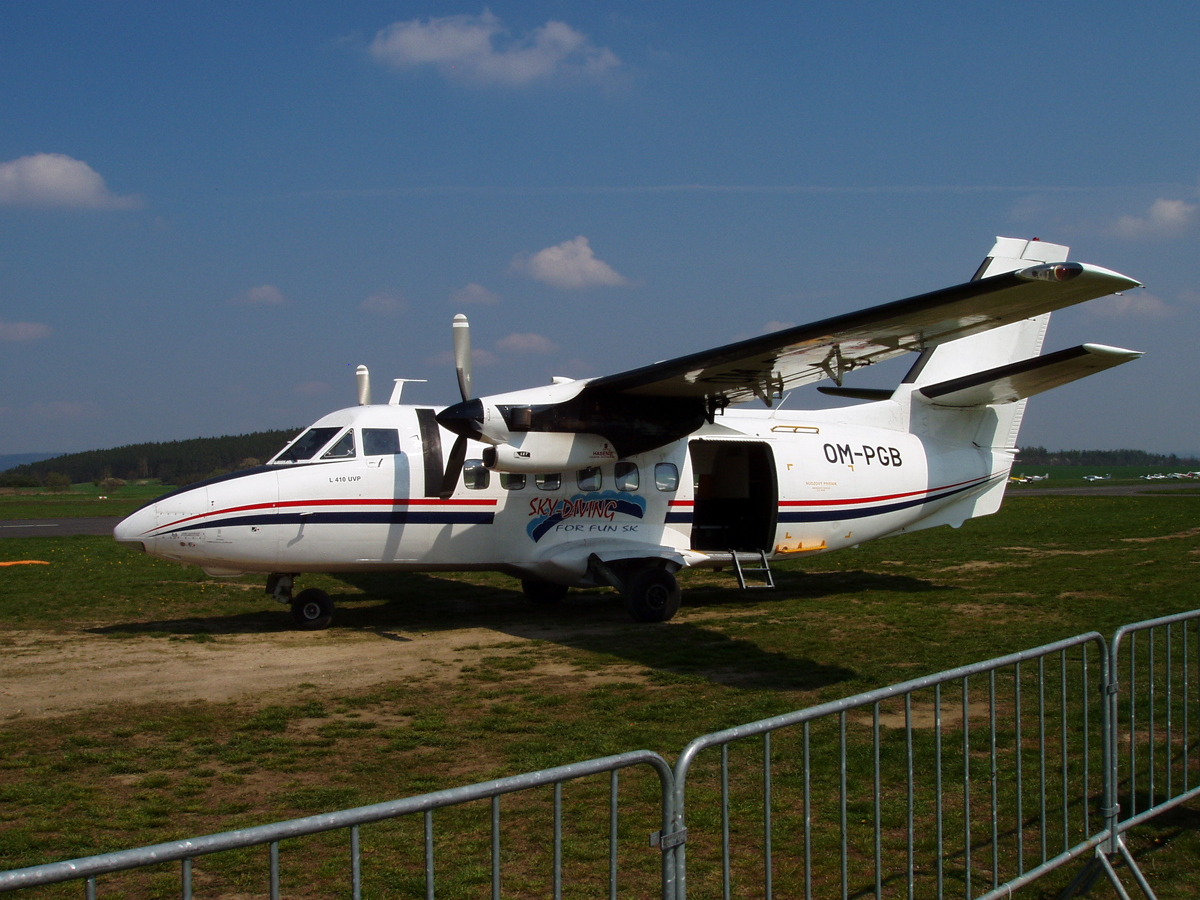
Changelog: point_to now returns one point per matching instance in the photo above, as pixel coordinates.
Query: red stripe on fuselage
(286, 504)
(881, 497)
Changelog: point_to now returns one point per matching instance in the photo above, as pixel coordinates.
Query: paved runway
(13, 528)
(1177, 488)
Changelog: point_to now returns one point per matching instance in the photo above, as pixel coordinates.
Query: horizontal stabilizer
(1015, 381)
(875, 394)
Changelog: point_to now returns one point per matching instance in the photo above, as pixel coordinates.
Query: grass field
(81, 501)
(539, 687)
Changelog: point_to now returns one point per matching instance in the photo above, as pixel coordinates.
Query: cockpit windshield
(306, 446)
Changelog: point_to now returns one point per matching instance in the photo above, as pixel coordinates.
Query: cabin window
(511, 482)
(666, 476)
(549, 482)
(381, 441)
(305, 446)
(627, 476)
(589, 479)
(343, 449)
(475, 475)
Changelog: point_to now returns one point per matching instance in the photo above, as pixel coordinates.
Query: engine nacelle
(537, 452)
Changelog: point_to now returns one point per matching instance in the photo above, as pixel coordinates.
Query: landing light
(1051, 272)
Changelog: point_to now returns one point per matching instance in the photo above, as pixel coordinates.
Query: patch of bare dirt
(976, 565)
(1178, 535)
(924, 715)
(1049, 552)
(45, 674)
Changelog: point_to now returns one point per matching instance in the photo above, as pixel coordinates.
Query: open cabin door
(736, 495)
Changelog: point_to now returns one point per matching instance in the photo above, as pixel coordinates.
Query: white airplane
(1045, 477)
(626, 479)
(1097, 477)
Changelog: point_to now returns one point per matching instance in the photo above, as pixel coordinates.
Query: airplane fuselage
(785, 483)
(625, 479)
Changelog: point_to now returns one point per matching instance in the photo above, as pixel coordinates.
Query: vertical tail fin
(990, 349)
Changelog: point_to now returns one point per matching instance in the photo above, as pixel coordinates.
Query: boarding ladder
(745, 562)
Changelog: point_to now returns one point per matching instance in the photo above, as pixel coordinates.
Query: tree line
(1040, 456)
(184, 462)
(174, 462)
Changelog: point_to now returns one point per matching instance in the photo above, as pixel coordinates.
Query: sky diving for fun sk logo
(584, 513)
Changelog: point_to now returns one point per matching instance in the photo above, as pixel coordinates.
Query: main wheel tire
(653, 595)
(312, 610)
(543, 593)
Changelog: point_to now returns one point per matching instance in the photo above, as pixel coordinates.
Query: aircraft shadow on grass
(591, 620)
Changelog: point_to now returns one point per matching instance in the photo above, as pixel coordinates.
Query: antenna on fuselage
(394, 400)
(363, 377)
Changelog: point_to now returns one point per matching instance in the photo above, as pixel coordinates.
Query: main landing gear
(312, 608)
(652, 595)
(650, 590)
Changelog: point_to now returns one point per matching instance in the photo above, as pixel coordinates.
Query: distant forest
(1040, 456)
(175, 462)
(183, 462)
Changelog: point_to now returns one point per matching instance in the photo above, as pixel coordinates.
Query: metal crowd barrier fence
(999, 786)
(186, 851)
(1153, 694)
(988, 776)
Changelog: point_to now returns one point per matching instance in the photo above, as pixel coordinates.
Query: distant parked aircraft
(1096, 477)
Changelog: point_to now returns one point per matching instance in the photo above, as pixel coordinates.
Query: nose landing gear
(312, 609)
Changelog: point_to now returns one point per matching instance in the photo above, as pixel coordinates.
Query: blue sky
(211, 213)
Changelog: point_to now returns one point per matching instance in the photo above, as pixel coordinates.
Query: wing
(766, 366)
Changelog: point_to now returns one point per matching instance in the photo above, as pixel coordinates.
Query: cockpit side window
(306, 446)
(380, 441)
(343, 449)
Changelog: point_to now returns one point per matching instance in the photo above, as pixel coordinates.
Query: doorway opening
(736, 495)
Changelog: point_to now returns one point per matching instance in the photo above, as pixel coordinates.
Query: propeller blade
(454, 466)
(462, 355)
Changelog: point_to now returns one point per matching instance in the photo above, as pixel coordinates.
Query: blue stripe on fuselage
(346, 517)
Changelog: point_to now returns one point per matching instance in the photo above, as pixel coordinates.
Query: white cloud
(1165, 217)
(23, 331)
(52, 179)
(527, 343)
(775, 325)
(475, 294)
(383, 303)
(263, 295)
(570, 264)
(479, 49)
(1133, 304)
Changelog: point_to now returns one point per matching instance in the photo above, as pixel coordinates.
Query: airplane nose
(131, 530)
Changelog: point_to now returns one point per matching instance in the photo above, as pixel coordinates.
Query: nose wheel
(312, 609)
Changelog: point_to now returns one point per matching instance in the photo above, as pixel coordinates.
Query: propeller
(461, 417)
(462, 355)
